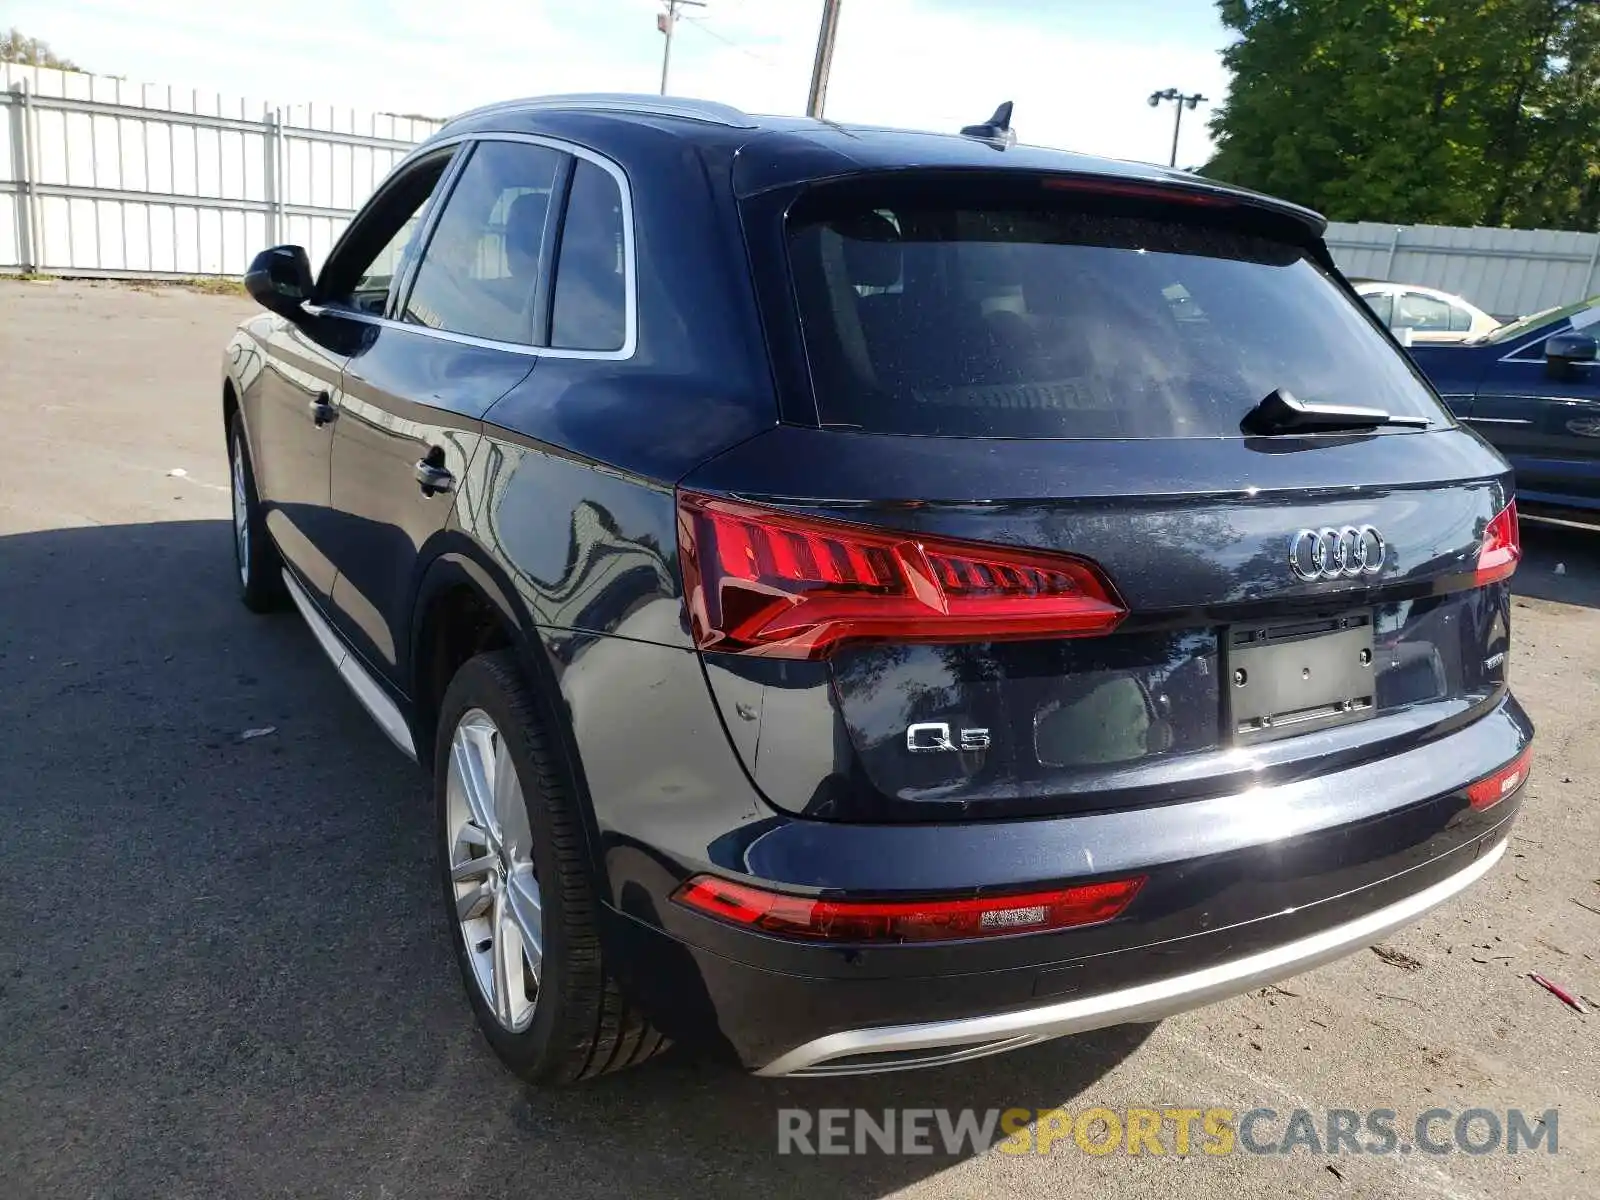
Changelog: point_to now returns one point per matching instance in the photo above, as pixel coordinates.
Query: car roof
(1424, 289)
(770, 152)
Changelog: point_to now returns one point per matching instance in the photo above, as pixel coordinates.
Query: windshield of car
(1041, 320)
(1584, 312)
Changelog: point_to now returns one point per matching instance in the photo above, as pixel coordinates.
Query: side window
(481, 268)
(367, 265)
(589, 311)
(1423, 313)
(1460, 319)
(1382, 305)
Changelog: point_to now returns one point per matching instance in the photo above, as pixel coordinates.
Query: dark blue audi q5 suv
(869, 599)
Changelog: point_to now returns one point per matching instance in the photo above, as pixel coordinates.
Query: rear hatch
(1027, 545)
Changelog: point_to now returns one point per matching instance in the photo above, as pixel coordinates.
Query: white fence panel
(1508, 272)
(99, 176)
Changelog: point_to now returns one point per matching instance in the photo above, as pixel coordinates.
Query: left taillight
(1501, 550)
(906, 920)
(766, 582)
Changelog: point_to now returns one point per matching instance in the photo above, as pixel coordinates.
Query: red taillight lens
(787, 586)
(1502, 547)
(906, 920)
(1492, 789)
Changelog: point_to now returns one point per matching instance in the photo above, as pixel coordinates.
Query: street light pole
(666, 22)
(819, 70)
(1179, 102)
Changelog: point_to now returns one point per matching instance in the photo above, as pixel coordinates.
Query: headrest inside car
(525, 229)
(871, 249)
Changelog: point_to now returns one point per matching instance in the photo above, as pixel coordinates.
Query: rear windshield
(1041, 321)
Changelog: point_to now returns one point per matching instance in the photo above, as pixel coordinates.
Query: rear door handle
(434, 479)
(322, 410)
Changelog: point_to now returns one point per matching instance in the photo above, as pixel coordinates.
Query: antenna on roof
(996, 129)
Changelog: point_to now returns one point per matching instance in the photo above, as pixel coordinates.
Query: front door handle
(434, 479)
(322, 410)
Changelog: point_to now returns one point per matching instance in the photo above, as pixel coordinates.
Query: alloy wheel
(241, 514)
(491, 870)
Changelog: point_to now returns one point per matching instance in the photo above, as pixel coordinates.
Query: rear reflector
(760, 581)
(1502, 547)
(906, 920)
(1492, 789)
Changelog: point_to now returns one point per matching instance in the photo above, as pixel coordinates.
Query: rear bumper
(901, 1047)
(1254, 886)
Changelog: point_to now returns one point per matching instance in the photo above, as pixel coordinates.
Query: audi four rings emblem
(1346, 553)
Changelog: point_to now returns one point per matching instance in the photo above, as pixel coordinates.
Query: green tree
(1448, 111)
(18, 47)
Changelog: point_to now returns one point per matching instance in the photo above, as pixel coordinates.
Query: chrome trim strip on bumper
(367, 689)
(970, 1037)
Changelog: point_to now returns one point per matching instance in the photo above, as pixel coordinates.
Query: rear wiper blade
(1280, 412)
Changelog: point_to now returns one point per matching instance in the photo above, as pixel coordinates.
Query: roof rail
(708, 111)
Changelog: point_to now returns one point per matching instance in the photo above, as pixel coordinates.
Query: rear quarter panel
(569, 503)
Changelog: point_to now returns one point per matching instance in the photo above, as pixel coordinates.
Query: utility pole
(819, 70)
(1179, 100)
(666, 22)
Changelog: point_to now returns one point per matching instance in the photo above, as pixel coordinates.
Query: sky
(1079, 71)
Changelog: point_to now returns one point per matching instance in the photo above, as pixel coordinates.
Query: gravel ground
(222, 972)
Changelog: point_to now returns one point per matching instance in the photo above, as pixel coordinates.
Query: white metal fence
(102, 177)
(1508, 272)
(99, 176)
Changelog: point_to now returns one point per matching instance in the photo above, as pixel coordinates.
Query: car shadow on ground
(222, 967)
(1575, 551)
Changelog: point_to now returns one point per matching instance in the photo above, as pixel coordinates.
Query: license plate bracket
(1293, 676)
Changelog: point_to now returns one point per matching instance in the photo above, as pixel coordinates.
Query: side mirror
(279, 280)
(1562, 351)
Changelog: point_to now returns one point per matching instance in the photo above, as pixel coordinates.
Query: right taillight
(785, 585)
(1492, 789)
(1502, 547)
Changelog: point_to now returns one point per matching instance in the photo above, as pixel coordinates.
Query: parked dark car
(1533, 389)
(869, 599)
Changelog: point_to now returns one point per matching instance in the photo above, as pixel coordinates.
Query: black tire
(582, 1025)
(260, 571)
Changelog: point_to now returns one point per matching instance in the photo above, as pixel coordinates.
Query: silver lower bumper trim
(857, 1052)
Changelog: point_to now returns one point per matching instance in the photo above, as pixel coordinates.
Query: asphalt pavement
(223, 972)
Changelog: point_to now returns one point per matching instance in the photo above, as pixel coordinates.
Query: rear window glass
(1033, 320)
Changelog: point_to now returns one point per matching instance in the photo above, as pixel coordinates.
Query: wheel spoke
(510, 814)
(467, 763)
(522, 905)
(500, 952)
(472, 904)
(472, 868)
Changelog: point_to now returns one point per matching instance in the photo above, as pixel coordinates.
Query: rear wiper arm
(1280, 412)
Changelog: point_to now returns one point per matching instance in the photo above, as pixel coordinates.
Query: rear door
(459, 334)
(1547, 425)
(1027, 561)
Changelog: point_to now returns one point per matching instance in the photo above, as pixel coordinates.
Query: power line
(728, 41)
